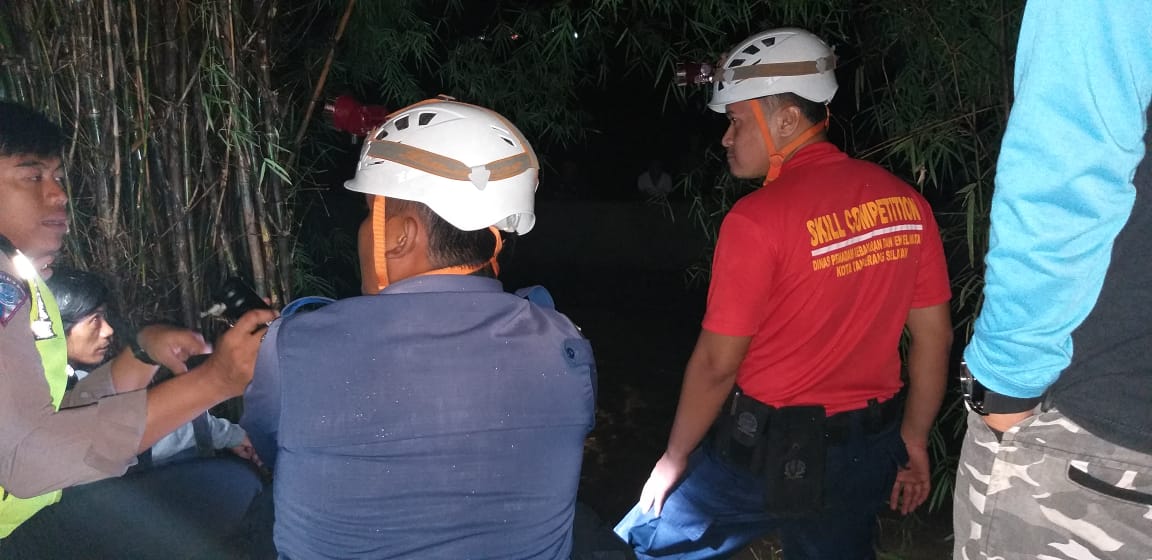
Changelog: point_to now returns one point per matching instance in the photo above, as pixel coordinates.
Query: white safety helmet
(786, 60)
(470, 165)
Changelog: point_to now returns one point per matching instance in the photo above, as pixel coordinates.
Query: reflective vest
(48, 331)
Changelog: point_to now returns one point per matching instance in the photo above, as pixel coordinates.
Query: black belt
(874, 418)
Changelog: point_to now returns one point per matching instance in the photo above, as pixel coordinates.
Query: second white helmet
(469, 164)
(786, 60)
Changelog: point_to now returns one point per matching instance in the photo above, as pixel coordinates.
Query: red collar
(812, 153)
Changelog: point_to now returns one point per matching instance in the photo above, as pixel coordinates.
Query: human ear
(788, 120)
(403, 232)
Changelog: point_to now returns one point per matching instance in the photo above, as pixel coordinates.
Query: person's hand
(232, 363)
(665, 475)
(913, 481)
(171, 346)
(1000, 423)
(246, 451)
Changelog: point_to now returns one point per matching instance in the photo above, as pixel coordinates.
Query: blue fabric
(538, 295)
(1063, 184)
(718, 509)
(442, 418)
(299, 303)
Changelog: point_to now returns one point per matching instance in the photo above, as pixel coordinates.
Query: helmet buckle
(479, 176)
(826, 63)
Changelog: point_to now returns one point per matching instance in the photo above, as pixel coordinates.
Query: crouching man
(437, 416)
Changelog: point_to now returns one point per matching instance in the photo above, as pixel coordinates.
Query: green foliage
(536, 61)
(386, 44)
(936, 102)
(176, 165)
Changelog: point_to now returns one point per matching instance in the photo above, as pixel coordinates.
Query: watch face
(973, 391)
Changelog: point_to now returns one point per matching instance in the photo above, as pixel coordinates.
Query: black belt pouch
(740, 434)
(794, 473)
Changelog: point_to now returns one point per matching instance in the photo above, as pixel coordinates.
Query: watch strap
(141, 355)
(995, 403)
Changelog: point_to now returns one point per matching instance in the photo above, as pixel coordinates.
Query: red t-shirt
(820, 268)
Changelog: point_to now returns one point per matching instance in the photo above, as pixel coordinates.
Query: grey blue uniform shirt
(441, 418)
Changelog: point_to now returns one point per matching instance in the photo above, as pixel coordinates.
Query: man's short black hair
(78, 294)
(447, 245)
(25, 131)
(813, 111)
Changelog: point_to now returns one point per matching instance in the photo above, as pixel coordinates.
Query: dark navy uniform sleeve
(262, 399)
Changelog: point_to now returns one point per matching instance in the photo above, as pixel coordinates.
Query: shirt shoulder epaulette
(13, 291)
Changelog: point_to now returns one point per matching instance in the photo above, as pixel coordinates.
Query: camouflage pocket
(1121, 484)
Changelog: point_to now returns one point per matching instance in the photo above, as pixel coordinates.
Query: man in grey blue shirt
(1057, 462)
(437, 416)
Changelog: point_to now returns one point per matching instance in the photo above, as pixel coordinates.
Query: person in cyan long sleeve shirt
(1060, 372)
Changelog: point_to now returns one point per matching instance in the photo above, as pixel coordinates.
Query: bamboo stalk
(143, 217)
(88, 63)
(279, 257)
(217, 230)
(174, 179)
(214, 185)
(113, 47)
(318, 90)
(251, 228)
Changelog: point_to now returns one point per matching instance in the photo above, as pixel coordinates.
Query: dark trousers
(718, 509)
(211, 508)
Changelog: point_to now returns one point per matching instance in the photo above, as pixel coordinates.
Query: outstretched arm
(222, 376)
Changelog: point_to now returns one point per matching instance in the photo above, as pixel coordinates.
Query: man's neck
(813, 140)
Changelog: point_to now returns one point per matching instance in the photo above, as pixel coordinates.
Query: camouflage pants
(1050, 491)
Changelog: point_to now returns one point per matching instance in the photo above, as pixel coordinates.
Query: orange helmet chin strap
(470, 268)
(378, 216)
(776, 158)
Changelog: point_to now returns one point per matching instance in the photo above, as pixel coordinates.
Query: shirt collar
(444, 283)
(809, 154)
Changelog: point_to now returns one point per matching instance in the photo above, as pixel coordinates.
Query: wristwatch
(984, 402)
(140, 354)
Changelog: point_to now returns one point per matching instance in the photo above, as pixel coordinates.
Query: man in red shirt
(797, 369)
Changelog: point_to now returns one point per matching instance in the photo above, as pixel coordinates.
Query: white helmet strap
(777, 69)
(443, 166)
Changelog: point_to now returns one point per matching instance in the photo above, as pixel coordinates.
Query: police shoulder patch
(12, 297)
